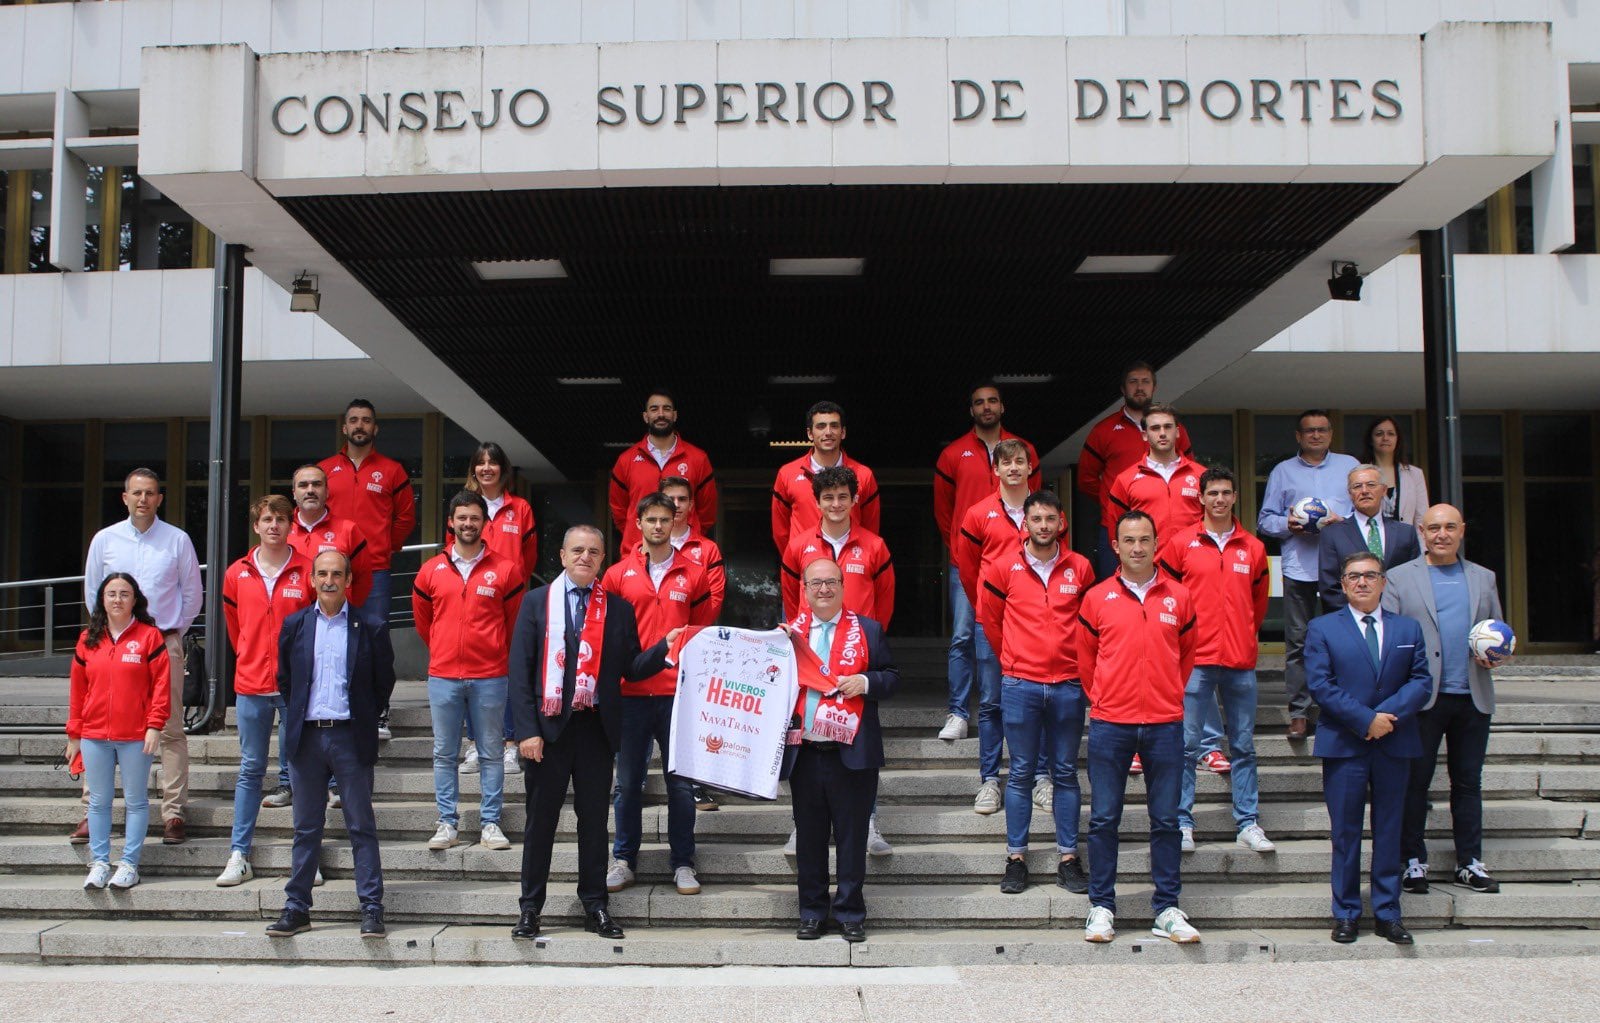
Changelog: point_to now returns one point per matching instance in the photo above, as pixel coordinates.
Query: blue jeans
(646, 719)
(472, 732)
(1237, 687)
(378, 596)
(1106, 561)
(484, 700)
(962, 656)
(1111, 750)
(255, 715)
(1042, 722)
(101, 758)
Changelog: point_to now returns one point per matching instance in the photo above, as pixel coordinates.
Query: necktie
(1374, 540)
(1369, 627)
(822, 646)
(580, 604)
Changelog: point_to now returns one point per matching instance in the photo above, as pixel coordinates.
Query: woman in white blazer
(1407, 496)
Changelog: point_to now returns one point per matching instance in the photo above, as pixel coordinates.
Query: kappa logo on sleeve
(244, 573)
(966, 454)
(629, 574)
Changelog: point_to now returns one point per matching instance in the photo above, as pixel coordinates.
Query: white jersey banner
(736, 694)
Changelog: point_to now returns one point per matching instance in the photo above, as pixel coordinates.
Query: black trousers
(581, 757)
(1300, 604)
(1455, 720)
(831, 797)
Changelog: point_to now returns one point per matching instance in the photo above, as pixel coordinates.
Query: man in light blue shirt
(1314, 472)
(161, 557)
(330, 683)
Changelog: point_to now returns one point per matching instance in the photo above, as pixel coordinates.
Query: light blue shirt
(330, 674)
(1452, 601)
(822, 645)
(163, 561)
(1293, 479)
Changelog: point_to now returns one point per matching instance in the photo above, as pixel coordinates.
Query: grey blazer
(1409, 591)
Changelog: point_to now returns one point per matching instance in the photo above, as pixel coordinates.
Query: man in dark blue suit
(833, 771)
(566, 711)
(336, 673)
(1368, 672)
(1395, 543)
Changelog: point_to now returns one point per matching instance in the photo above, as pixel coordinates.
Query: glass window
(1485, 541)
(1482, 453)
(1559, 589)
(296, 442)
(1212, 437)
(1556, 446)
(1583, 198)
(52, 453)
(240, 538)
(197, 450)
(1274, 437)
(458, 448)
(52, 520)
(130, 446)
(401, 440)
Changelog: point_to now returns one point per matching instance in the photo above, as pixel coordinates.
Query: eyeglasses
(824, 584)
(1366, 577)
(1315, 429)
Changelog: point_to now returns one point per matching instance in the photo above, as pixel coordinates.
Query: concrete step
(409, 820)
(722, 863)
(336, 943)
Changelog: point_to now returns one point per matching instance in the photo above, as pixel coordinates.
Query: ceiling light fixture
(1024, 378)
(304, 296)
(588, 381)
(617, 443)
(788, 380)
(520, 270)
(1123, 264)
(848, 266)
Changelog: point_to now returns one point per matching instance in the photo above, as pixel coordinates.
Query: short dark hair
(1311, 413)
(655, 500)
(1131, 516)
(823, 408)
(1215, 473)
(1360, 555)
(143, 472)
(465, 499)
(309, 465)
(1010, 448)
(360, 403)
(661, 391)
(836, 476)
(674, 481)
(1134, 367)
(1047, 498)
(1161, 408)
(980, 384)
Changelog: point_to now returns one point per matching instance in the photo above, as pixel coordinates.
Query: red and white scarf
(838, 717)
(590, 642)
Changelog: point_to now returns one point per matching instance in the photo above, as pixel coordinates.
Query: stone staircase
(935, 900)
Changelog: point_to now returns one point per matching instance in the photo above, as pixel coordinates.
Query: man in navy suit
(574, 737)
(335, 673)
(1395, 543)
(1368, 672)
(833, 780)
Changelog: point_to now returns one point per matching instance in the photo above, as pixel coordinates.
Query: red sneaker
(1136, 767)
(1215, 762)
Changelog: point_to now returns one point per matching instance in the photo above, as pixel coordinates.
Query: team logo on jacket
(693, 552)
(377, 476)
(1242, 555)
(683, 468)
(629, 574)
(490, 576)
(801, 477)
(811, 548)
(1071, 575)
(1016, 566)
(966, 454)
(856, 568)
(132, 656)
(244, 573)
(328, 536)
(994, 515)
(638, 458)
(1195, 542)
(1111, 594)
(1171, 604)
(439, 566)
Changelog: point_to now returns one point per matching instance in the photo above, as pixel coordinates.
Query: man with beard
(1116, 443)
(962, 477)
(692, 543)
(373, 491)
(641, 469)
(795, 511)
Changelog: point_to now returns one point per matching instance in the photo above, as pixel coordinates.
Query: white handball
(1491, 639)
(1308, 512)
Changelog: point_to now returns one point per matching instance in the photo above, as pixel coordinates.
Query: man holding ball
(1447, 594)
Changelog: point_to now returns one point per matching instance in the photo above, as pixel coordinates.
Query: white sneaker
(491, 837)
(126, 877)
(1173, 924)
(511, 759)
(469, 763)
(317, 882)
(384, 735)
(237, 871)
(1101, 926)
(1044, 794)
(620, 876)
(334, 802)
(1253, 838)
(877, 845)
(99, 874)
(1186, 839)
(686, 881)
(789, 846)
(444, 838)
(955, 727)
(988, 800)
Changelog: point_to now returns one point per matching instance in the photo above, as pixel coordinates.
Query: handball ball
(1308, 512)
(1491, 638)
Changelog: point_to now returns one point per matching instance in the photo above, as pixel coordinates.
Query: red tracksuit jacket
(703, 551)
(1174, 504)
(335, 533)
(121, 687)
(986, 533)
(1115, 443)
(1229, 585)
(1135, 658)
(637, 474)
(1034, 626)
(511, 533)
(255, 618)
(963, 476)
(864, 561)
(466, 623)
(794, 506)
(377, 496)
(684, 598)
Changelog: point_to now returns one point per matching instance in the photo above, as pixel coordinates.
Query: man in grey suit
(1395, 543)
(1448, 595)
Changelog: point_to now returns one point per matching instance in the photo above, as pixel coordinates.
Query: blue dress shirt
(330, 674)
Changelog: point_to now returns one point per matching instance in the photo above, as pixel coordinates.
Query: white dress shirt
(1140, 589)
(1361, 627)
(163, 561)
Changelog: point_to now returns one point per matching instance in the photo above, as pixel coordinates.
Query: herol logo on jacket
(1168, 617)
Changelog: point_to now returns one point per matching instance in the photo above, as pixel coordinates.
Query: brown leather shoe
(173, 833)
(81, 836)
(1297, 728)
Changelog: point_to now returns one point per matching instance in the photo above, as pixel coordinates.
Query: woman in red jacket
(119, 704)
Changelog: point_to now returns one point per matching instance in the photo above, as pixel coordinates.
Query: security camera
(1345, 284)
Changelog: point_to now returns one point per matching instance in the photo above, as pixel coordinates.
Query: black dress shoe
(811, 929)
(527, 925)
(853, 932)
(1394, 930)
(372, 922)
(599, 922)
(1345, 932)
(290, 922)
